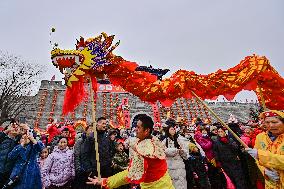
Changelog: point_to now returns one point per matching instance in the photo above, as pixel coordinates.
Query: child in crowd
(42, 157)
(120, 160)
(198, 168)
(58, 170)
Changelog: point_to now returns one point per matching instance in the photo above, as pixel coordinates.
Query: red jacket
(71, 138)
(52, 131)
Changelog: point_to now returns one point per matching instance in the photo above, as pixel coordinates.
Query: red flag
(53, 78)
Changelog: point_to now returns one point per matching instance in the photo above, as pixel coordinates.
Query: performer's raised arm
(148, 166)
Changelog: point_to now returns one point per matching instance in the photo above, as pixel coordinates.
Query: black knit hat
(170, 122)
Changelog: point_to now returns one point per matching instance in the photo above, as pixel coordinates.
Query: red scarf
(224, 139)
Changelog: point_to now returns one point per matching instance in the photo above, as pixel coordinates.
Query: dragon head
(89, 57)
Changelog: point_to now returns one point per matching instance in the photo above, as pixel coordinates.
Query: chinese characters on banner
(125, 109)
(156, 113)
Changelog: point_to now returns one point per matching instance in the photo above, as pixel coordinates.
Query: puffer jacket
(58, 168)
(247, 139)
(207, 145)
(85, 155)
(30, 173)
(176, 166)
(6, 146)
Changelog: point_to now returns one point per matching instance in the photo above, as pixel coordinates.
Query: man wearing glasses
(8, 140)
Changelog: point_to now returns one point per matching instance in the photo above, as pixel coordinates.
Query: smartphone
(30, 132)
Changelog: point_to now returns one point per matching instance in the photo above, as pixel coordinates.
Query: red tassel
(73, 97)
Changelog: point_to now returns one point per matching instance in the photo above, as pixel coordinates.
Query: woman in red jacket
(52, 130)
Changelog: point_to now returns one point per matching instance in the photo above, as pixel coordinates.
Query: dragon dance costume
(271, 154)
(148, 167)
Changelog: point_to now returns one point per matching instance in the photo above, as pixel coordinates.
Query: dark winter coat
(112, 147)
(216, 177)
(85, 158)
(30, 177)
(85, 161)
(105, 153)
(196, 164)
(226, 154)
(2, 136)
(236, 129)
(6, 146)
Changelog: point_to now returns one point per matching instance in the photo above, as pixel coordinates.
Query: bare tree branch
(17, 79)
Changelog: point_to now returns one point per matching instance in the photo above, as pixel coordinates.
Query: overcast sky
(197, 35)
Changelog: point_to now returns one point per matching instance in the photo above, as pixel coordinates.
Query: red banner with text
(125, 108)
(156, 114)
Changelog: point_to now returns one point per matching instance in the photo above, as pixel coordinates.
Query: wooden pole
(95, 130)
(261, 97)
(220, 120)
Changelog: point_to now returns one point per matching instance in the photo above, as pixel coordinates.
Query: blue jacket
(6, 145)
(30, 178)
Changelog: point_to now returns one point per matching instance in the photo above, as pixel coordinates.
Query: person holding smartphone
(8, 140)
(26, 172)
